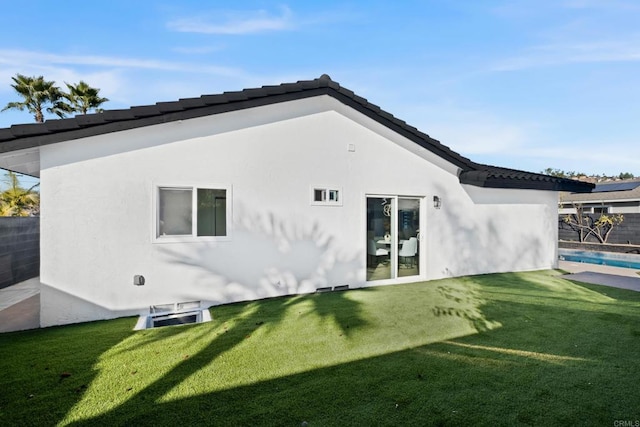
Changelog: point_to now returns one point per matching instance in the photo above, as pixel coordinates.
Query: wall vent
(335, 288)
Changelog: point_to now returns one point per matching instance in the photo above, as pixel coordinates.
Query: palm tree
(84, 98)
(18, 201)
(37, 93)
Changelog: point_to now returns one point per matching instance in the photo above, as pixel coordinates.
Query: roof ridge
(85, 121)
(32, 135)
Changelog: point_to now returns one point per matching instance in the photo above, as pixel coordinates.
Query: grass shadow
(547, 366)
(255, 342)
(207, 343)
(39, 373)
(380, 356)
(339, 308)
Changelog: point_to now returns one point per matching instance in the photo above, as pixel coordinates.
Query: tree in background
(587, 225)
(562, 174)
(38, 94)
(83, 98)
(596, 178)
(18, 201)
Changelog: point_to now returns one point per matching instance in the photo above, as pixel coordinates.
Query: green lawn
(502, 349)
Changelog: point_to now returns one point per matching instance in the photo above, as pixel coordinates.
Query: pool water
(602, 258)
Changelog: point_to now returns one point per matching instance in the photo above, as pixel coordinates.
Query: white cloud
(572, 53)
(468, 132)
(571, 32)
(600, 4)
(618, 157)
(125, 81)
(33, 59)
(236, 23)
(502, 141)
(196, 50)
(537, 156)
(471, 138)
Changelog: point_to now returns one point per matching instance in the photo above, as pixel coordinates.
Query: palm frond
(18, 201)
(84, 98)
(37, 94)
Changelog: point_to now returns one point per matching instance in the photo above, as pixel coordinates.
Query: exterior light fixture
(437, 202)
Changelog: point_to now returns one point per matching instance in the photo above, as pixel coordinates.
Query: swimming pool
(602, 258)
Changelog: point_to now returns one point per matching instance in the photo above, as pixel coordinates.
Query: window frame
(327, 189)
(193, 237)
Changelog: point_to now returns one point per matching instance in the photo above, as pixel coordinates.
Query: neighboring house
(614, 197)
(264, 192)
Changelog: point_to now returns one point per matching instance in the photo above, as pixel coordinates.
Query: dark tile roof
(496, 177)
(52, 131)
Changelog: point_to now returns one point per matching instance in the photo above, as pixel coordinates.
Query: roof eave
(160, 117)
(483, 178)
(83, 126)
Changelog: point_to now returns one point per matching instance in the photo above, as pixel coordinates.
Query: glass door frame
(394, 248)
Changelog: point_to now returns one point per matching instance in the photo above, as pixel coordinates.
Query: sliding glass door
(393, 239)
(408, 237)
(380, 248)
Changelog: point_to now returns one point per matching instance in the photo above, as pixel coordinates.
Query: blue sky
(520, 84)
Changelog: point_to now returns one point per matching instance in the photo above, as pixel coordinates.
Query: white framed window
(191, 213)
(326, 196)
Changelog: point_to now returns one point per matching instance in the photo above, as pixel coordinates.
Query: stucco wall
(98, 218)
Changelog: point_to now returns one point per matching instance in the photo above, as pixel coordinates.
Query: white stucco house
(264, 192)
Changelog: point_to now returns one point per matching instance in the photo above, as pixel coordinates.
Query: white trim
(193, 237)
(594, 201)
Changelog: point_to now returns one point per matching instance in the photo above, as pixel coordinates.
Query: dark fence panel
(19, 249)
(626, 233)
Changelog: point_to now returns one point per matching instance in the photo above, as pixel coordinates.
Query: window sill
(190, 239)
(334, 204)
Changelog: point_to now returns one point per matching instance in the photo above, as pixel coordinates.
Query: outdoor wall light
(437, 202)
(138, 280)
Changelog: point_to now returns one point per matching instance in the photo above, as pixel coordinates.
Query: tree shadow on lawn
(546, 354)
(57, 382)
(38, 373)
(301, 256)
(548, 288)
(245, 320)
(547, 366)
(328, 329)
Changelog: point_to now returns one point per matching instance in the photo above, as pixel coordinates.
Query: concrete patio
(20, 306)
(617, 277)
